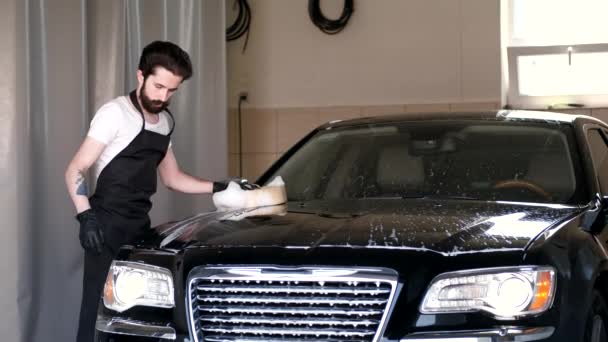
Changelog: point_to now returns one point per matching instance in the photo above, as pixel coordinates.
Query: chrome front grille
(269, 303)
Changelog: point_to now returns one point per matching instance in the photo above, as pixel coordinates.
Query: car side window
(599, 155)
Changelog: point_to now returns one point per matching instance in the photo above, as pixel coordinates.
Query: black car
(434, 227)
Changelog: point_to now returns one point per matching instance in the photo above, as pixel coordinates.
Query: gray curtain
(65, 59)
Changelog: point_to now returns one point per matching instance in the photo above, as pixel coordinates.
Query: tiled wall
(268, 133)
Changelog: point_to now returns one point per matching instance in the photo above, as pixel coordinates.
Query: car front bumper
(505, 334)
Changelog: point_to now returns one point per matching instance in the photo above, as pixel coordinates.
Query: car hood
(448, 227)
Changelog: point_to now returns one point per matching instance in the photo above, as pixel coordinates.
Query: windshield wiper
(433, 196)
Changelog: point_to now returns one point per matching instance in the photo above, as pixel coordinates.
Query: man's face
(157, 89)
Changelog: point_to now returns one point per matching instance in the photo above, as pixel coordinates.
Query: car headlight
(130, 283)
(505, 292)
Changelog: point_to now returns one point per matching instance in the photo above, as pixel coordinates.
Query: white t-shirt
(116, 124)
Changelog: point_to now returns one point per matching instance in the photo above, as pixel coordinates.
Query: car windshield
(482, 160)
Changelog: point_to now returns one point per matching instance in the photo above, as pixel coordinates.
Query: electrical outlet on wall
(243, 86)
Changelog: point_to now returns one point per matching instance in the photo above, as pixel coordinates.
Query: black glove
(243, 183)
(91, 233)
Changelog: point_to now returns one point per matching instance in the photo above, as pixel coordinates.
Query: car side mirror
(596, 211)
(604, 200)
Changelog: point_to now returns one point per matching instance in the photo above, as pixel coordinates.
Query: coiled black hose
(329, 26)
(241, 23)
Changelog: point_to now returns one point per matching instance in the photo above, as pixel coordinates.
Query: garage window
(558, 53)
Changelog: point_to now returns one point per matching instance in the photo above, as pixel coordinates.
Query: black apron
(121, 203)
(124, 187)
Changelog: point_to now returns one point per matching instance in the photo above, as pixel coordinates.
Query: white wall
(392, 52)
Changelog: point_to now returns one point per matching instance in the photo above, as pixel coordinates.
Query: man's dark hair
(167, 55)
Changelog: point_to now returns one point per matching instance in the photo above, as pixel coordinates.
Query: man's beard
(151, 106)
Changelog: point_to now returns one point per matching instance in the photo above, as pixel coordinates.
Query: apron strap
(133, 97)
(172, 121)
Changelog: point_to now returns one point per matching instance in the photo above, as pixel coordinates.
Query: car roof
(498, 115)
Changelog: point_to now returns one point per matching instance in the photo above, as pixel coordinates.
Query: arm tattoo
(81, 185)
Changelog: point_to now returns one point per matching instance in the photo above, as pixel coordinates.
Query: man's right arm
(75, 174)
